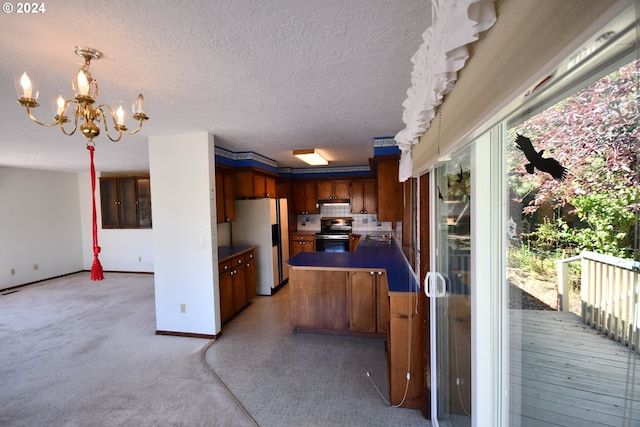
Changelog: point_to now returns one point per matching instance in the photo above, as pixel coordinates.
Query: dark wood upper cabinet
(225, 196)
(125, 202)
(333, 190)
(250, 184)
(363, 197)
(390, 202)
(305, 198)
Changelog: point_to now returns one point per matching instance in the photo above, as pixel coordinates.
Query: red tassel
(96, 268)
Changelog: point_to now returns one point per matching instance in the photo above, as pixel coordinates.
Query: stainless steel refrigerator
(264, 223)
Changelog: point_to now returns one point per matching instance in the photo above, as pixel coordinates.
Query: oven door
(332, 243)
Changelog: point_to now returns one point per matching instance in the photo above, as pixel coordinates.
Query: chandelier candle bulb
(120, 116)
(137, 107)
(25, 82)
(83, 83)
(60, 103)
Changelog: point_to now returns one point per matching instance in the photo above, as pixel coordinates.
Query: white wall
(224, 234)
(120, 249)
(182, 172)
(39, 224)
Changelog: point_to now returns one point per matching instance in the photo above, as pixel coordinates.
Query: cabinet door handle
(379, 273)
(372, 273)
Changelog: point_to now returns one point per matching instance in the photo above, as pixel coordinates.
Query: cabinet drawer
(225, 266)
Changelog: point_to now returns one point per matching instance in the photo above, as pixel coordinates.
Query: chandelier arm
(32, 117)
(75, 126)
(100, 109)
(136, 130)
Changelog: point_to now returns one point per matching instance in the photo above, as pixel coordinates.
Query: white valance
(456, 23)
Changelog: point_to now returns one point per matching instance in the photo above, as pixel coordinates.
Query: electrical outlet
(183, 308)
(13, 271)
(139, 259)
(35, 267)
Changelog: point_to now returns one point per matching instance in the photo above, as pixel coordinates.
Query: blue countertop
(369, 254)
(229, 251)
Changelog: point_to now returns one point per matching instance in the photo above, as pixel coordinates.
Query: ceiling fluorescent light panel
(310, 157)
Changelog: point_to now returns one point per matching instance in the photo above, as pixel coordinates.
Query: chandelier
(81, 108)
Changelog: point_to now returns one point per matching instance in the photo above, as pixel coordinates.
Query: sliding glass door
(449, 289)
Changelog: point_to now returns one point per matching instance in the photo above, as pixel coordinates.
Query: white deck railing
(609, 291)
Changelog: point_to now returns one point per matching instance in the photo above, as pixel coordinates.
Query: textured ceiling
(262, 76)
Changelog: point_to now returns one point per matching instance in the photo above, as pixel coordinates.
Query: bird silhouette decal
(536, 161)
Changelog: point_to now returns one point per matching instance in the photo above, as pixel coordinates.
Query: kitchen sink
(378, 237)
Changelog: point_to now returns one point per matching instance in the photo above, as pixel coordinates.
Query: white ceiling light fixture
(311, 157)
(86, 91)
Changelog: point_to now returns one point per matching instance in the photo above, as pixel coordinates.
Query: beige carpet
(82, 353)
(76, 353)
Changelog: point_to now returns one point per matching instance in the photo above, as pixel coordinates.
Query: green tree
(593, 133)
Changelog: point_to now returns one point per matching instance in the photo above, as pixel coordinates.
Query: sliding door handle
(435, 285)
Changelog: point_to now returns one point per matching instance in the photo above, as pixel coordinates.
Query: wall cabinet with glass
(125, 202)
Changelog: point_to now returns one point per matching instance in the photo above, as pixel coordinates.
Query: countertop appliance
(264, 223)
(334, 235)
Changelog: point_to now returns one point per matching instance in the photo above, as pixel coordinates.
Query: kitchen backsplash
(361, 222)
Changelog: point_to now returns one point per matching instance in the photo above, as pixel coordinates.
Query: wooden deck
(564, 373)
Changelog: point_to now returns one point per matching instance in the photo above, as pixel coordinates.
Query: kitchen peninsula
(369, 292)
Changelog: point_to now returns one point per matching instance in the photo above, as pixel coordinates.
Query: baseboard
(12, 289)
(189, 334)
(280, 286)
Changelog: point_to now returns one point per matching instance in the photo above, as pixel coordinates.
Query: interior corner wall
(40, 235)
(527, 40)
(182, 172)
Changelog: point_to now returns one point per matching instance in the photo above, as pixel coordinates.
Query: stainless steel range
(334, 235)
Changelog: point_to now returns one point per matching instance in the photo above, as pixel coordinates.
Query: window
(572, 360)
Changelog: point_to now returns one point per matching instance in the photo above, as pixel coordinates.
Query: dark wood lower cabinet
(226, 295)
(237, 282)
(405, 350)
(367, 291)
(318, 299)
(358, 302)
(250, 277)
